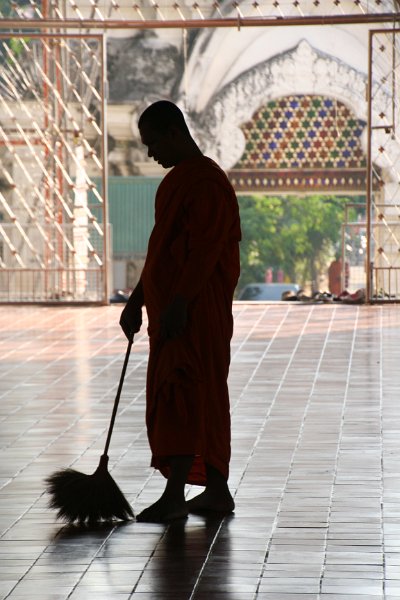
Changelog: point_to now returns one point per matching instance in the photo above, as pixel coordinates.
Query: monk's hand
(131, 319)
(174, 318)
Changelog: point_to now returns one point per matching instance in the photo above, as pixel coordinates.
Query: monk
(187, 284)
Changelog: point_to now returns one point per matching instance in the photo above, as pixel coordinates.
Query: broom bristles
(87, 498)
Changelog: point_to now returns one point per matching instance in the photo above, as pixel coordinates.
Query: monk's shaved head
(163, 130)
(162, 115)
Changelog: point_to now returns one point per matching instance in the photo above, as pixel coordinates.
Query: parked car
(267, 291)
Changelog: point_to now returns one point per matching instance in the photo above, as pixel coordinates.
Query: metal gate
(383, 200)
(53, 243)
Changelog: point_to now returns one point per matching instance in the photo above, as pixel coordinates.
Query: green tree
(7, 8)
(295, 234)
(259, 221)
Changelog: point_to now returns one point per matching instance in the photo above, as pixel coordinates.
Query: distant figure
(187, 284)
(335, 276)
(269, 275)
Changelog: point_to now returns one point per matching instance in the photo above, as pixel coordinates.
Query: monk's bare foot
(211, 502)
(163, 511)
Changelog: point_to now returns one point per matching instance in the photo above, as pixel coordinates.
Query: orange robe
(193, 251)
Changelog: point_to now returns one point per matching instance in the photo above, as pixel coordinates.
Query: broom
(95, 497)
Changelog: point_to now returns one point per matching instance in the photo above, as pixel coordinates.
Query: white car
(267, 291)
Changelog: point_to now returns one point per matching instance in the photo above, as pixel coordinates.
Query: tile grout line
(258, 437)
(65, 373)
(22, 331)
(62, 402)
(43, 450)
(205, 562)
(322, 451)
(104, 542)
(45, 333)
(55, 381)
(299, 437)
(49, 365)
(382, 451)
(263, 355)
(95, 441)
(338, 449)
(222, 521)
(214, 540)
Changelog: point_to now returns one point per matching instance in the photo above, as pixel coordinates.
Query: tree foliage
(7, 8)
(295, 234)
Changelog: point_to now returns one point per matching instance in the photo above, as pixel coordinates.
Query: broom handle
(117, 397)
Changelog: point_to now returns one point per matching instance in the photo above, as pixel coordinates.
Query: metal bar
(234, 22)
(369, 168)
(28, 288)
(346, 224)
(34, 142)
(384, 127)
(342, 272)
(48, 195)
(55, 125)
(394, 82)
(386, 31)
(104, 172)
(39, 36)
(391, 296)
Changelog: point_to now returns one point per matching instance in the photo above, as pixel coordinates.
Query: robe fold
(193, 251)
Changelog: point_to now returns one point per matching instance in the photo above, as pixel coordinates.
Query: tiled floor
(315, 469)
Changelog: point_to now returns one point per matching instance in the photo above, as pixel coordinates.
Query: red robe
(193, 251)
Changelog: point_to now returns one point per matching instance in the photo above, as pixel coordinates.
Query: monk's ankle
(216, 482)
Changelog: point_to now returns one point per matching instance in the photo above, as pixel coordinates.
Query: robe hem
(197, 474)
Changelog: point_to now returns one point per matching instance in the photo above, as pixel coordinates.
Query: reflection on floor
(315, 469)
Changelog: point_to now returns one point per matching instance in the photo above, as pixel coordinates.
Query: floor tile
(315, 460)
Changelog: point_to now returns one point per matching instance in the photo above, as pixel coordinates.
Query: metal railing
(385, 284)
(51, 285)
